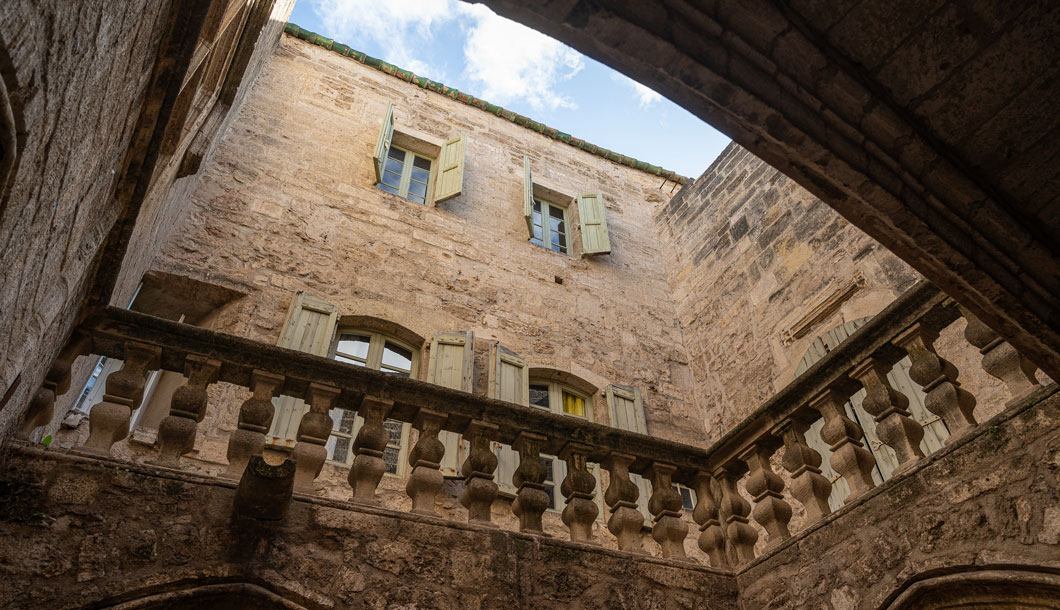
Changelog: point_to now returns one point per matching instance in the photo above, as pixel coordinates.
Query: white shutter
(451, 170)
(382, 142)
(452, 357)
(309, 327)
(592, 219)
(528, 196)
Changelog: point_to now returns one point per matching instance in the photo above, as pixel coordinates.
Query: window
(382, 353)
(549, 226)
(688, 497)
(560, 398)
(406, 174)
(405, 164)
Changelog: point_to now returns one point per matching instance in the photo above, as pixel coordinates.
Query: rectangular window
(549, 226)
(406, 174)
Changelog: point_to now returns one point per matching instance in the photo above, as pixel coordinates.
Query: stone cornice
(470, 100)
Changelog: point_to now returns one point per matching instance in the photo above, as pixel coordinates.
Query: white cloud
(645, 96)
(393, 24)
(510, 61)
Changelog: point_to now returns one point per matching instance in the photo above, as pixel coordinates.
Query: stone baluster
(531, 499)
(368, 465)
(808, 485)
(1000, 359)
(255, 419)
(938, 377)
(425, 458)
(264, 490)
(480, 490)
(621, 498)
(711, 536)
(108, 421)
(843, 435)
(734, 511)
(579, 488)
(310, 452)
(766, 489)
(665, 504)
(176, 431)
(888, 407)
(41, 408)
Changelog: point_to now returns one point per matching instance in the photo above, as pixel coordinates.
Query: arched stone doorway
(1017, 589)
(223, 596)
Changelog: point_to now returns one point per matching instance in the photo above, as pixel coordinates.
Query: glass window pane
(353, 345)
(391, 179)
(388, 188)
(422, 163)
(417, 188)
(555, 212)
(420, 175)
(396, 153)
(416, 198)
(556, 224)
(397, 356)
(341, 358)
(539, 396)
(394, 166)
(537, 232)
(341, 452)
(573, 405)
(390, 460)
(536, 240)
(537, 207)
(345, 420)
(393, 428)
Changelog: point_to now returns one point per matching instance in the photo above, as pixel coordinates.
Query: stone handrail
(909, 326)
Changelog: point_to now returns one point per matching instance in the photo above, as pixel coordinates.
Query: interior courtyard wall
(76, 80)
(750, 254)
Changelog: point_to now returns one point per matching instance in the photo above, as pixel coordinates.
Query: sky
(468, 47)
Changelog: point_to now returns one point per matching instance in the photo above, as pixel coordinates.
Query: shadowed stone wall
(86, 533)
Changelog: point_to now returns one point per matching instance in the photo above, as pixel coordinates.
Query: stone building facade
(346, 209)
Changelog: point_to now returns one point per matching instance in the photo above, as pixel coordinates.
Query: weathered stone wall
(749, 253)
(77, 77)
(289, 204)
(78, 532)
(991, 501)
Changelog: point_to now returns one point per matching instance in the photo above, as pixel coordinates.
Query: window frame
(376, 344)
(555, 405)
(546, 229)
(405, 179)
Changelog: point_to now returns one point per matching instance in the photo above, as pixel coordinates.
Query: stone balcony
(83, 528)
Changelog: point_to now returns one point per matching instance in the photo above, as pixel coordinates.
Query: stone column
(579, 488)
(665, 504)
(425, 457)
(808, 485)
(108, 421)
(621, 498)
(310, 452)
(531, 500)
(176, 431)
(766, 489)
(41, 408)
(255, 419)
(734, 510)
(368, 466)
(843, 435)
(711, 537)
(938, 377)
(1001, 360)
(264, 490)
(480, 490)
(887, 406)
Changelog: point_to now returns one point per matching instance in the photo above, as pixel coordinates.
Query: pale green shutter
(528, 196)
(626, 408)
(309, 327)
(451, 170)
(382, 143)
(509, 380)
(593, 221)
(452, 357)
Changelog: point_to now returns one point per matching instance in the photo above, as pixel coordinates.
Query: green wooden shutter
(309, 327)
(451, 170)
(509, 380)
(452, 357)
(528, 196)
(626, 408)
(382, 143)
(592, 219)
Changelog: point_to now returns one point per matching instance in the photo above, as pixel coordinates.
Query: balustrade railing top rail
(112, 328)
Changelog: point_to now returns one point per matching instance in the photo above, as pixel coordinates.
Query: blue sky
(468, 47)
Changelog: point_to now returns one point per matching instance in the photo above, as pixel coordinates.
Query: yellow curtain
(573, 405)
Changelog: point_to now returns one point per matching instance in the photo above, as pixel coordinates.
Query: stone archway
(220, 596)
(1016, 589)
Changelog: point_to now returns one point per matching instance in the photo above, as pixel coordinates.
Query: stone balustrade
(774, 434)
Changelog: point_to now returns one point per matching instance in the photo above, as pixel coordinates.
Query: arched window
(935, 432)
(380, 352)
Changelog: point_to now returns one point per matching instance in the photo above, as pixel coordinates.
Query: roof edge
(465, 98)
